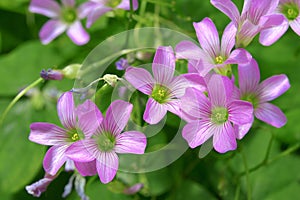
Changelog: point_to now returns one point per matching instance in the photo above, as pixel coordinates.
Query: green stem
(264, 161)
(247, 176)
(17, 98)
(237, 191)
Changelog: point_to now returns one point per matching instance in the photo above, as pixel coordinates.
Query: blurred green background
(217, 176)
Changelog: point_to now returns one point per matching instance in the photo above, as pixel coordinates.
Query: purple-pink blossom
(259, 94)
(213, 54)
(61, 138)
(94, 9)
(256, 16)
(62, 18)
(163, 88)
(102, 147)
(215, 114)
(290, 9)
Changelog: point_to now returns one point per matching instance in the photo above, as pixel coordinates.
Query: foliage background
(274, 169)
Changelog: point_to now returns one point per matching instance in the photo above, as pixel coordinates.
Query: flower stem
(247, 176)
(17, 98)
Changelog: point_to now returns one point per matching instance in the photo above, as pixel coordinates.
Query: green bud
(71, 71)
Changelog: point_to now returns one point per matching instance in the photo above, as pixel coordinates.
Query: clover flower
(212, 55)
(215, 114)
(290, 9)
(259, 94)
(61, 138)
(93, 9)
(107, 140)
(163, 89)
(256, 16)
(63, 18)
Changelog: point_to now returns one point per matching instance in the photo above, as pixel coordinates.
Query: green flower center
(74, 135)
(106, 141)
(219, 60)
(291, 11)
(219, 115)
(113, 3)
(160, 93)
(69, 15)
(252, 98)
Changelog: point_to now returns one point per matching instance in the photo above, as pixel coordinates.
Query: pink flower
(37, 188)
(63, 18)
(215, 114)
(290, 9)
(93, 9)
(260, 93)
(213, 54)
(61, 138)
(256, 16)
(163, 88)
(101, 149)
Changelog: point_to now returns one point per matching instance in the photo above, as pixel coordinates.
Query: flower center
(113, 3)
(69, 15)
(252, 98)
(291, 11)
(106, 141)
(160, 93)
(219, 60)
(74, 135)
(219, 115)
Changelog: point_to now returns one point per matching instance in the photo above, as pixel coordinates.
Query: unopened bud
(71, 71)
(51, 74)
(111, 79)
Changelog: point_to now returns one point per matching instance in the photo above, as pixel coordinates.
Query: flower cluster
(207, 97)
(67, 17)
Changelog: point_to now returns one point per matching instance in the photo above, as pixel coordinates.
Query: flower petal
(77, 34)
(107, 166)
(295, 25)
(131, 142)
(246, 34)
(68, 3)
(174, 106)
(249, 77)
(228, 8)
(238, 56)
(89, 117)
(99, 10)
(37, 188)
(66, 110)
(82, 151)
(125, 4)
(224, 138)
(242, 130)
(270, 114)
(228, 39)
(117, 116)
(195, 103)
(50, 30)
(208, 36)
(86, 168)
(154, 111)
(220, 90)
(54, 159)
(189, 50)
(140, 78)
(269, 36)
(163, 65)
(48, 8)
(273, 87)
(240, 112)
(197, 132)
(47, 134)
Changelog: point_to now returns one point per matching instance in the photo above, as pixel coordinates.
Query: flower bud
(51, 74)
(71, 71)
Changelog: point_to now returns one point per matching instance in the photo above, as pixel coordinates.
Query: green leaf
(23, 65)
(20, 158)
(191, 190)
